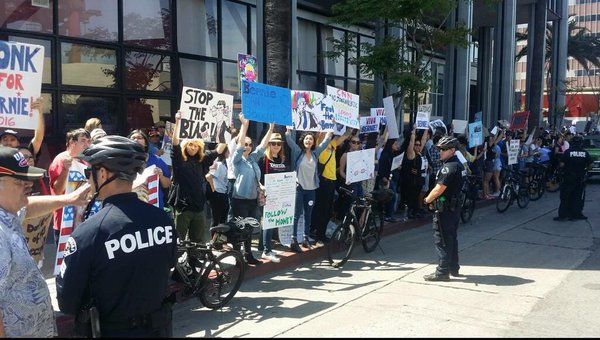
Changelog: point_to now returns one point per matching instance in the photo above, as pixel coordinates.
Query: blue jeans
(390, 207)
(305, 199)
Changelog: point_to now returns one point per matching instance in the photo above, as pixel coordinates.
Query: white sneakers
(270, 256)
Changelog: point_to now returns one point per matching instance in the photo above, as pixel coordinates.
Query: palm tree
(278, 17)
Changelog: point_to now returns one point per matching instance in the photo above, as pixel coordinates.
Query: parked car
(591, 144)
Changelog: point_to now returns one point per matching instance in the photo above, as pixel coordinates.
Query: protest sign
(379, 112)
(312, 111)
(397, 161)
(150, 180)
(513, 151)
(422, 120)
(494, 131)
(247, 68)
(461, 157)
(339, 129)
(72, 216)
(345, 106)
(266, 103)
(360, 165)
(369, 124)
(478, 117)
(35, 232)
(167, 143)
(459, 126)
(390, 116)
(285, 233)
(519, 120)
(475, 134)
(280, 189)
(21, 68)
(205, 115)
(437, 124)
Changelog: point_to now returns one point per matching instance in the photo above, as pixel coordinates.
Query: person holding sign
(188, 193)
(411, 173)
(246, 188)
(9, 137)
(354, 145)
(305, 159)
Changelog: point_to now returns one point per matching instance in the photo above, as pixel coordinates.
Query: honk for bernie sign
(21, 68)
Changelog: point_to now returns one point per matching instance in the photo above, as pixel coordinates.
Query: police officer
(117, 263)
(445, 199)
(575, 162)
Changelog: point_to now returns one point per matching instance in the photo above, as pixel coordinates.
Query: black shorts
(488, 165)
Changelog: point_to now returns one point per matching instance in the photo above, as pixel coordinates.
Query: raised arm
(290, 138)
(425, 137)
(410, 150)
(38, 136)
(243, 131)
(340, 139)
(324, 143)
(267, 137)
(383, 138)
(176, 130)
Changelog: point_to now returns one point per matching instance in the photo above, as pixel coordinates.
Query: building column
(535, 91)
(484, 72)
(378, 81)
(504, 62)
(560, 32)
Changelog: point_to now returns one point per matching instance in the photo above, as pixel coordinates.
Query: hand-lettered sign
(266, 103)
(345, 105)
(312, 111)
(379, 112)
(519, 120)
(422, 120)
(280, 189)
(360, 165)
(247, 68)
(369, 124)
(475, 134)
(206, 115)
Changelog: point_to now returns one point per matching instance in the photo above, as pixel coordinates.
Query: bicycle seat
(221, 228)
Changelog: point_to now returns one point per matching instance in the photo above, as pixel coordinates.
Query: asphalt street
(523, 275)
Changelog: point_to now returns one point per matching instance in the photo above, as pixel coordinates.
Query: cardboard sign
(379, 112)
(21, 68)
(279, 209)
(35, 232)
(475, 134)
(72, 215)
(345, 105)
(369, 125)
(360, 165)
(422, 120)
(247, 68)
(460, 126)
(206, 115)
(390, 116)
(312, 111)
(519, 120)
(438, 124)
(266, 103)
(397, 162)
(513, 151)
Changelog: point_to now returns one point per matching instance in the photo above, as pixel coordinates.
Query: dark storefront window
(197, 27)
(142, 113)
(47, 74)
(147, 23)
(235, 29)
(27, 15)
(90, 19)
(77, 109)
(147, 72)
(87, 65)
(199, 74)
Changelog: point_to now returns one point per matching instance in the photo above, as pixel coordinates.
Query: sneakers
(295, 247)
(270, 255)
(306, 243)
(455, 273)
(436, 277)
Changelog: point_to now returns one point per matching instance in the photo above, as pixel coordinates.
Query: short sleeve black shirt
(576, 162)
(451, 176)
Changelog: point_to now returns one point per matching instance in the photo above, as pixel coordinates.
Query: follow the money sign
(21, 68)
(280, 189)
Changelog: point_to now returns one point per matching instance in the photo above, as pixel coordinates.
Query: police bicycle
(214, 272)
(555, 179)
(366, 214)
(470, 190)
(514, 187)
(537, 180)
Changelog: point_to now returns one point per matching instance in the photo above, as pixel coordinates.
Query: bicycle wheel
(553, 183)
(341, 244)
(523, 198)
(371, 234)
(467, 210)
(534, 190)
(504, 200)
(222, 279)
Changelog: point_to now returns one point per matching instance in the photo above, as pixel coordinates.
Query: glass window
(370, 41)
(76, 109)
(199, 74)
(352, 86)
(308, 83)
(147, 71)
(147, 23)
(27, 15)
(252, 26)
(91, 19)
(339, 83)
(87, 65)
(230, 80)
(142, 113)
(366, 95)
(197, 27)
(352, 38)
(334, 67)
(235, 29)
(47, 73)
(307, 38)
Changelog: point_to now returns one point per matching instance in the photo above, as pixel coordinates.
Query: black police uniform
(120, 260)
(446, 218)
(576, 160)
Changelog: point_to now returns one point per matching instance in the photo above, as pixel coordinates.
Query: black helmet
(577, 140)
(447, 142)
(117, 153)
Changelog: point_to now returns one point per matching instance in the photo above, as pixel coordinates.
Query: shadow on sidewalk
(493, 280)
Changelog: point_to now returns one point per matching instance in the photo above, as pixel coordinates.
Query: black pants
(446, 248)
(323, 208)
(245, 208)
(219, 204)
(571, 198)
(410, 196)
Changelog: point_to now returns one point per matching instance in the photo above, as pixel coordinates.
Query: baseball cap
(14, 164)
(9, 132)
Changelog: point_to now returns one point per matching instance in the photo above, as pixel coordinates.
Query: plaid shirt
(434, 156)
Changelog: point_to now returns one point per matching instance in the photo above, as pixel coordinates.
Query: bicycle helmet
(116, 153)
(447, 142)
(577, 141)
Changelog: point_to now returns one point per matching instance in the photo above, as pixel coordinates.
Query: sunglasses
(248, 144)
(355, 141)
(275, 143)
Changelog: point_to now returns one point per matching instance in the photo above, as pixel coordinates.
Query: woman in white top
(217, 178)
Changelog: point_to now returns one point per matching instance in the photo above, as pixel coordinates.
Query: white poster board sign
(360, 165)
(369, 125)
(422, 119)
(312, 111)
(21, 68)
(379, 112)
(397, 161)
(460, 126)
(390, 116)
(345, 106)
(438, 123)
(281, 200)
(206, 115)
(285, 233)
(513, 151)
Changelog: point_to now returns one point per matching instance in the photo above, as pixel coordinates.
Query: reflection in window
(199, 74)
(147, 23)
(87, 65)
(91, 19)
(339, 83)
(24, 15)
(142, 113)
(76, 109)
(147, 71)
(334, 67)
(307, 37)
(370, 41)
(197, 27)
(47, 73)
(230, 80)
(308, 83)
(253, 49)
(235, 29)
